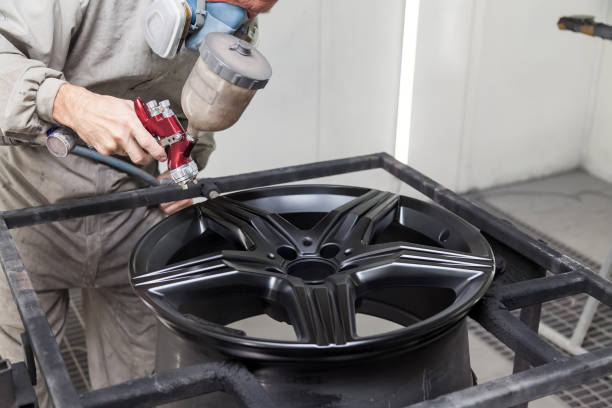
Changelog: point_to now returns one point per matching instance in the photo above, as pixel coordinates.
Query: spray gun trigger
(170, 140)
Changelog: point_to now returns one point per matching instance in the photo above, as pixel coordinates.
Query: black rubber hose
(116, 163)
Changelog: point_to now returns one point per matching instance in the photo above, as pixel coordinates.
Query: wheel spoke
(356, 221)
(417, 265)
(322, 314)
(216, 266)
(416, 252)
(206, 265)
(252, 227)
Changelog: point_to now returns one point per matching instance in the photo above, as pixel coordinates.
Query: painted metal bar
(98, 204)
(52, 367)
(590, 308)
(181, 383)
(513, 332)
(530, 316)
(528, 385)
(204, 187)
(298, 173)
(540, 290)
(599, 287)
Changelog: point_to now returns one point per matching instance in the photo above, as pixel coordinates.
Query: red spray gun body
(162, 123)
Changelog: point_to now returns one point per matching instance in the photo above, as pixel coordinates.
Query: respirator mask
(168, 24)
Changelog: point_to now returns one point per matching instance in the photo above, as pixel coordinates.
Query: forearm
(66, 106)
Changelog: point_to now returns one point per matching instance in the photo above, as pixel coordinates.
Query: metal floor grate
(73, 346)
(562, 315)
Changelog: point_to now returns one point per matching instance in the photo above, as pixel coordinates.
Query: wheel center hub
(311, 270)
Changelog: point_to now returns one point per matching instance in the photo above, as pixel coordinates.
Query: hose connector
(60, 141)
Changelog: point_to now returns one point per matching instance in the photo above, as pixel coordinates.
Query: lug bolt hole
(329, 250)
(287, 253)
(307, 242)
(444, 235)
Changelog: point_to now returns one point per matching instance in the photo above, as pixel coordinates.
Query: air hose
(116, 163)
(60, 142)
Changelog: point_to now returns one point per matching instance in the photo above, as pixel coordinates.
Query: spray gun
(162, 123)
(217, 91)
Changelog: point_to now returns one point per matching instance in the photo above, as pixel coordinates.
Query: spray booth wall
(516, 94)
(500, 94)
(598, 153)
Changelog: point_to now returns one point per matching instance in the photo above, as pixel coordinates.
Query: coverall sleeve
(34, 42)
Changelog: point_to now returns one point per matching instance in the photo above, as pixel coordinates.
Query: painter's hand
(106, 123)
(173, 206)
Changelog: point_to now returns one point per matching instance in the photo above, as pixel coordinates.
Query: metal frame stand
(573, 344)
(522, 286)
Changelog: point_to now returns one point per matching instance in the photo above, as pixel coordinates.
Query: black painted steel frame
(551, 370)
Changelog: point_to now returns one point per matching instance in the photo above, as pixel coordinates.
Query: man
(81, 63)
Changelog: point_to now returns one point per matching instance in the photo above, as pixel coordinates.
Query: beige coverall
(99, 45)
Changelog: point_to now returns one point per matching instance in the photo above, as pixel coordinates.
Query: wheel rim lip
(410, 337)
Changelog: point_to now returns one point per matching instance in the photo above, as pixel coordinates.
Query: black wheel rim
(312, 256)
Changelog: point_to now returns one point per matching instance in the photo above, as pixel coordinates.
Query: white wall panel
(531, 92)
(360, 59)
(280, 126)
(598, 151)
(501, 94)
(441, 76)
